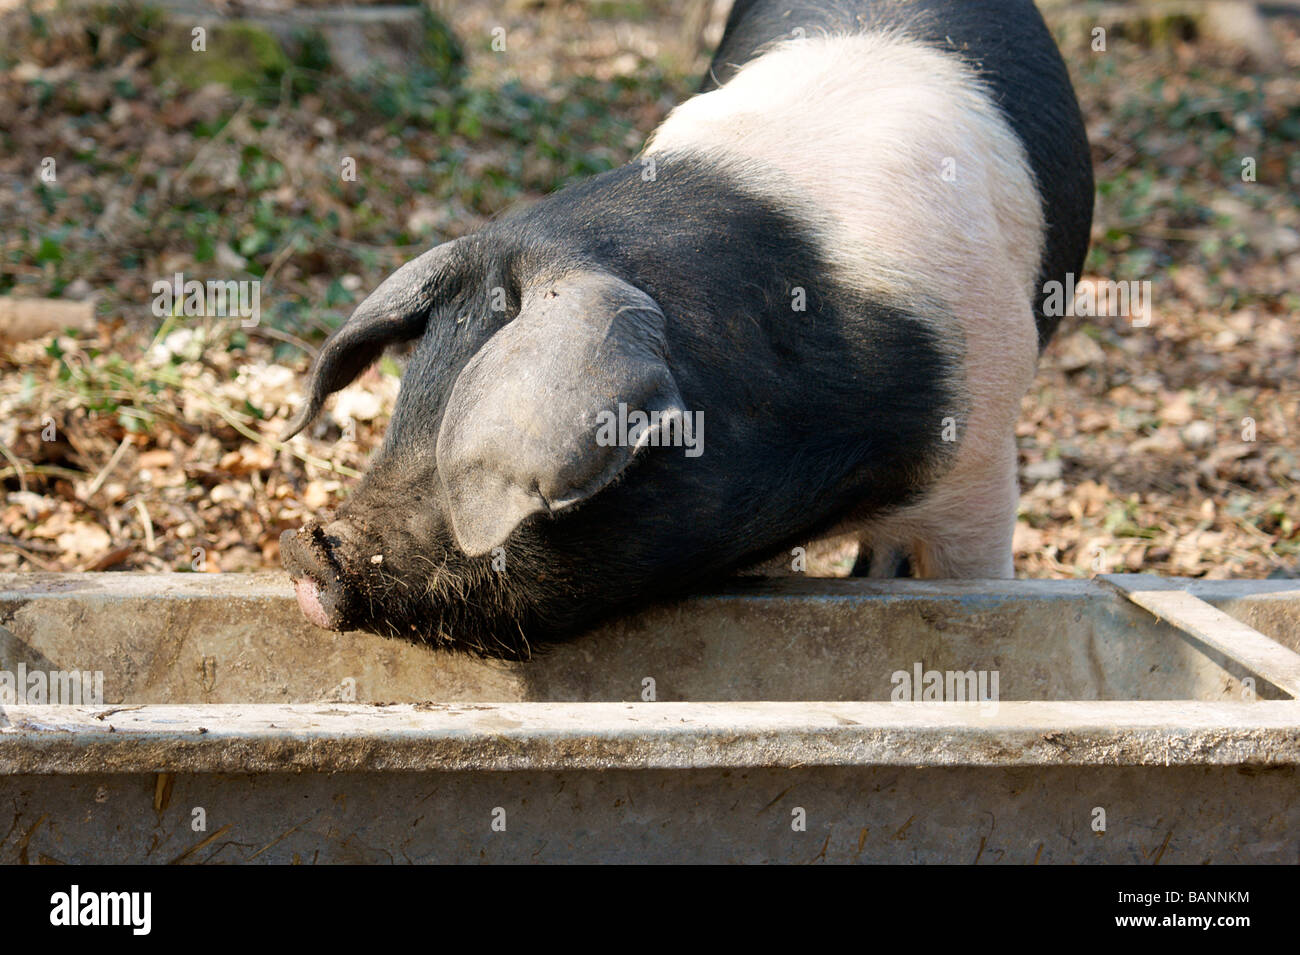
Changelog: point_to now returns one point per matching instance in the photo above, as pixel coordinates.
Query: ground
(147, 441)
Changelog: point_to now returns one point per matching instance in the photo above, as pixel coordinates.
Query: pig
(809, 308)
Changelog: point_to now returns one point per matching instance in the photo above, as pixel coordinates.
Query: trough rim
(490, 737)
(48, 585)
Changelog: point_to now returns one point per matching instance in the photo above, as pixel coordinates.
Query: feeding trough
(1122, 719)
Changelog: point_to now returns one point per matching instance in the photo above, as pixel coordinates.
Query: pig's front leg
(969, 532)
(962, 528)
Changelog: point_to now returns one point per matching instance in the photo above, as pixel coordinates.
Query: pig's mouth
(308, 593)
(318, 583)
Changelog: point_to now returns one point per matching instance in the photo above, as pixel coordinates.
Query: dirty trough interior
(777, 721)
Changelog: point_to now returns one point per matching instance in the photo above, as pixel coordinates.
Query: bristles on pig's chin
(468, 608)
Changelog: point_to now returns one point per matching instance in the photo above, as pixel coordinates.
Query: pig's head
(455, 533)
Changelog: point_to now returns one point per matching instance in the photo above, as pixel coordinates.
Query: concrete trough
(1123, 719)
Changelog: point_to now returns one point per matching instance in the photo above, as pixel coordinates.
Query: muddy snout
(312, 556)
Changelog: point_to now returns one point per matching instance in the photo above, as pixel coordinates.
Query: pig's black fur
(1008, 44)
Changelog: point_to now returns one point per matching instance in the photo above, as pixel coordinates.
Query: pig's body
(832, 260)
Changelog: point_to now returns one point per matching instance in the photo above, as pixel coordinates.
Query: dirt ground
(1167, 444)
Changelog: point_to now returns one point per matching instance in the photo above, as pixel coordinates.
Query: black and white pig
(811, 306)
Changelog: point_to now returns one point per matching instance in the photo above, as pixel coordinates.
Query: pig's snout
(310, 555)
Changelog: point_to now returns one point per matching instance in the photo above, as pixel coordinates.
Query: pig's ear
(519, 435)
(394, 312)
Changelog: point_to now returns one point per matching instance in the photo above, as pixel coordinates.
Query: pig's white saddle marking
(919, 191)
